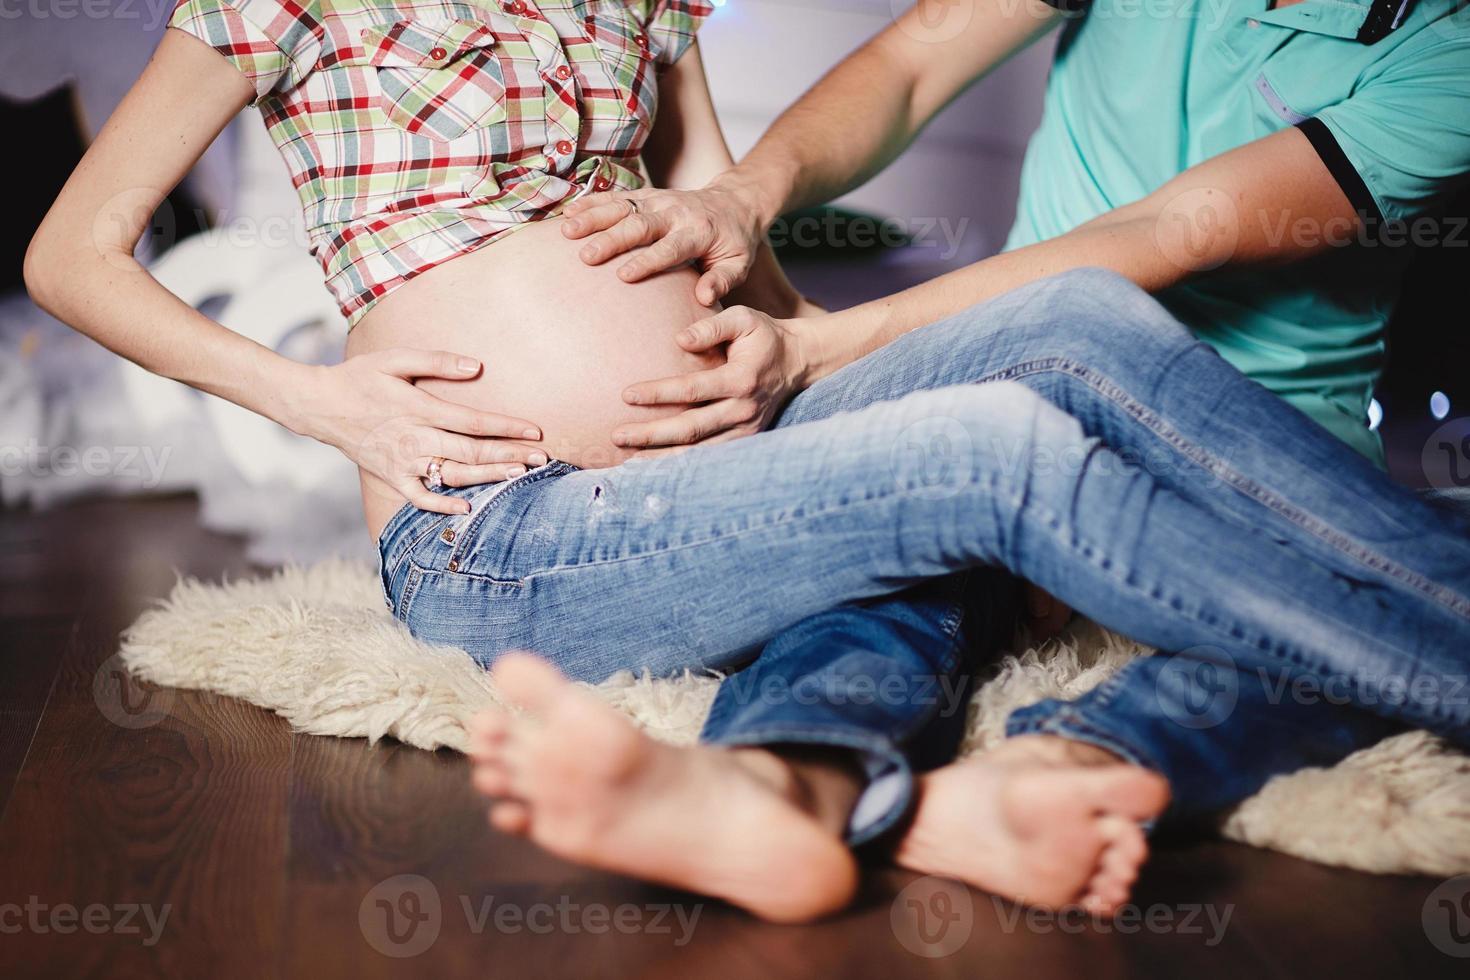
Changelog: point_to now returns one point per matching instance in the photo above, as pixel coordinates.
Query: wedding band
(633, 205)
(435, 478)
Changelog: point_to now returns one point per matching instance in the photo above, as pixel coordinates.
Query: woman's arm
(80, 268)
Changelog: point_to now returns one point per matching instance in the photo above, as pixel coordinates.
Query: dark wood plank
(30, 652)
(374, 829)
(1310, 919)
(162, 808)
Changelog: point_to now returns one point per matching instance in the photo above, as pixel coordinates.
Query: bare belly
(559, 340)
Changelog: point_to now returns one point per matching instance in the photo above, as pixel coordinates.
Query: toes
(528, 681)
(491, 780)
(1118, 869)
(487, 734)
(1104, 898)
(1126, 846)
(510, 817)
(1123, 852)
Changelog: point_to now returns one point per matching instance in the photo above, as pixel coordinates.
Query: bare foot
(1040, 820)
(582, 782)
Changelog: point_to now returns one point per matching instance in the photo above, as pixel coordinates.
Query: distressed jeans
(1070, 433)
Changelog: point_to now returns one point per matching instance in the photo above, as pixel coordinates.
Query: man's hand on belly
(763, 370)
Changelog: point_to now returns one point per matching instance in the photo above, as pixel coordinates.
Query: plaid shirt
(418, 130)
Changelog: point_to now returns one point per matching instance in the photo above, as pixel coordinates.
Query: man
(1249, 168)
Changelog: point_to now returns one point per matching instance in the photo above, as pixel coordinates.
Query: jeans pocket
(404, 605)
(483, 617)
(479, 544)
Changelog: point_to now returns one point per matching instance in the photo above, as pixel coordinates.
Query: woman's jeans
(1070, 433)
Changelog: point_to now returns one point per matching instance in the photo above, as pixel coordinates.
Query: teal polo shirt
(1142, 90)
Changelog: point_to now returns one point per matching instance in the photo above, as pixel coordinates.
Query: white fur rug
(316, 646)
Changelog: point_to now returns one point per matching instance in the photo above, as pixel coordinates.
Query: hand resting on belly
(559, 340)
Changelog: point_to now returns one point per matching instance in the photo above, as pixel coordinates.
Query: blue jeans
(1108, 457)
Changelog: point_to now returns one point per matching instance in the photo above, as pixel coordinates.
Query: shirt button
(641, 40)
(602, 184)
(438, 54)
(448, 534)
(1252, 23)
(564, 73)
(453, 565)
(564, 147)
(515, 7)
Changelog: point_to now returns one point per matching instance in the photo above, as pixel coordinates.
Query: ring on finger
(434, 480)
(633, 207)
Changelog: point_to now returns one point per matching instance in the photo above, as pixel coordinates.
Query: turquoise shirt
(1141, 90)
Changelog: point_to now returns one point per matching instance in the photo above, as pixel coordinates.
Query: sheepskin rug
(316, 646)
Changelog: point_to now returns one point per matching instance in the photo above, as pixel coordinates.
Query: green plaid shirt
(418, 130)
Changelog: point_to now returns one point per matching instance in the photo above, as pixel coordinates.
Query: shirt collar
(1363, 20)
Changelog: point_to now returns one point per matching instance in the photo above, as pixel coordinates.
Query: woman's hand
(369, 407)
(763, 369)
(716, 226)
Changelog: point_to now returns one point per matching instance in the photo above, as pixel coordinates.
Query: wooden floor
(156, 833)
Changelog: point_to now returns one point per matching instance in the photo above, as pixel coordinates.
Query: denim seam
(410, 589)
(476, 521)
(1264, 644)
(413, 545)
(1068, 722)
(1338, 540)
(517, 585)
(1157, 593)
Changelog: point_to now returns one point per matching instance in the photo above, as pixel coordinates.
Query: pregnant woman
(433, 146)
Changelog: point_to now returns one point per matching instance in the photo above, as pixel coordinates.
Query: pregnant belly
(559, 341)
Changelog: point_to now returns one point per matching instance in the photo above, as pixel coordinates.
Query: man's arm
(1272, 201)
(851, 125)
(686, 150)
(871, 107)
